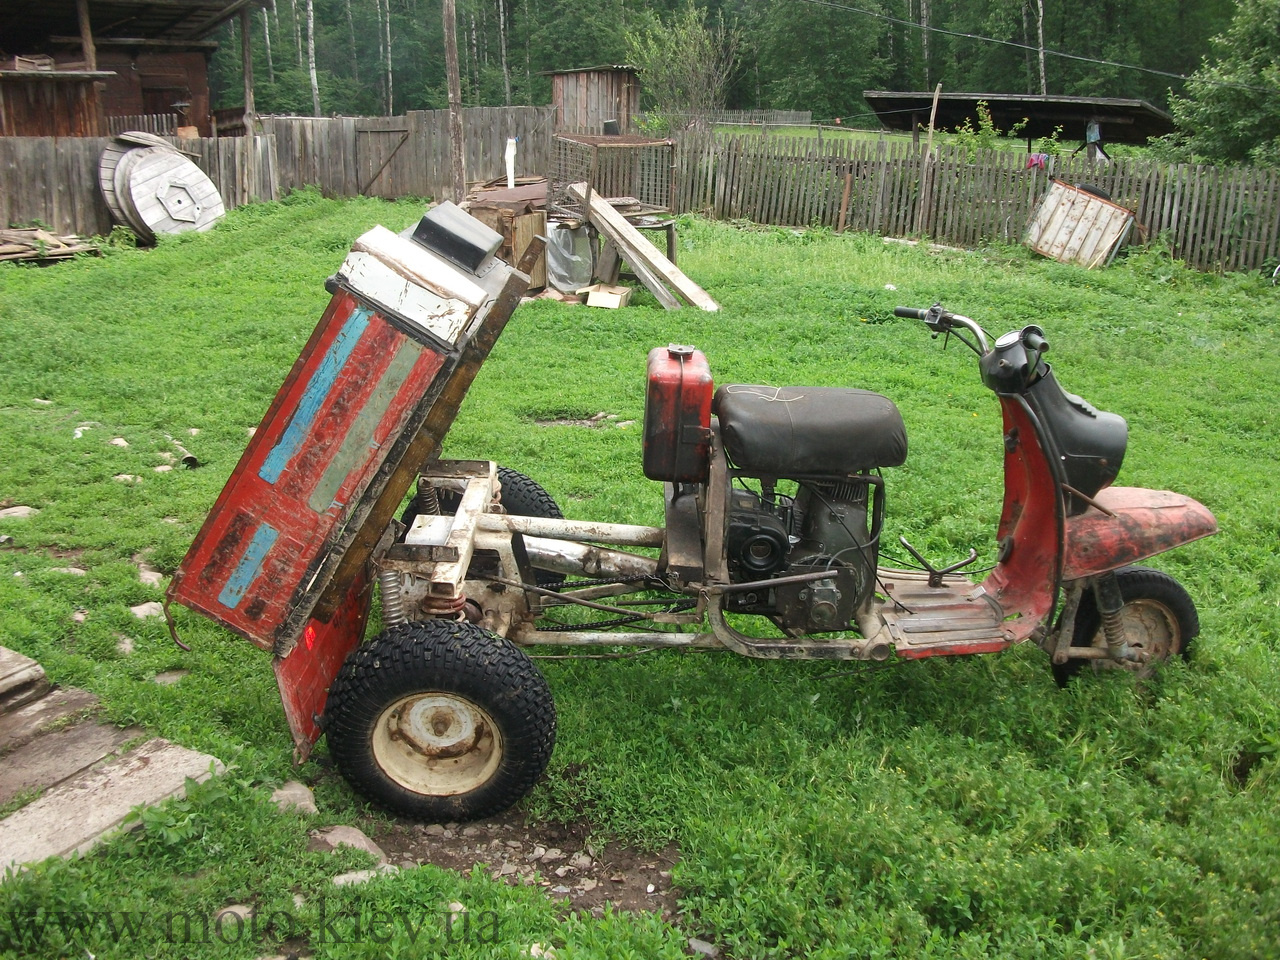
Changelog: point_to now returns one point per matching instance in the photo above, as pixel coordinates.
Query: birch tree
(266, 38)
(311, 59)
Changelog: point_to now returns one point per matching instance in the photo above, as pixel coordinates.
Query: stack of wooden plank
(32, 243)
(662, 277)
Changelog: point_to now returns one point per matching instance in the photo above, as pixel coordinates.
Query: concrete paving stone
(77, 814)
(151, 608)
(361, 876)
(25, 723)
(53, 757)
(21, 680)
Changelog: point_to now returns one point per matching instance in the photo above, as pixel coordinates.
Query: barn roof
(1122, 121)
(603, 68)
(30, 27)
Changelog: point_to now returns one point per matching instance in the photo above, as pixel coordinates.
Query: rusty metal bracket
(1067, 623)
(835, 649)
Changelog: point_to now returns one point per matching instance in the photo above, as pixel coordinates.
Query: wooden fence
(754, 118)
(55, 180)
(409, 155)
(1214, 218)
(162, 124)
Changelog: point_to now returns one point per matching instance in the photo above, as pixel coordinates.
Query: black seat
(809, 431)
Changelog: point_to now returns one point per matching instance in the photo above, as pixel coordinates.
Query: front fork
(1106, 592)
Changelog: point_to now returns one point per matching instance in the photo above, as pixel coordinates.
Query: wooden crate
(518, 231)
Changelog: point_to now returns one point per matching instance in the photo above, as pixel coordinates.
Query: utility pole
(457, 153)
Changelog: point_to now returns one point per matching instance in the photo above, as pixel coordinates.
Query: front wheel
(441, 720)
(1159, 616)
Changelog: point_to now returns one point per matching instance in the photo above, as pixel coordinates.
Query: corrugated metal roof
(1122, 121)
(616, 66)
(26, 26)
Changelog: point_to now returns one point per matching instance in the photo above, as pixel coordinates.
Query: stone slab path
(52, 749)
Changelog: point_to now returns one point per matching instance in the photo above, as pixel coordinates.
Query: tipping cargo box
(281, 558)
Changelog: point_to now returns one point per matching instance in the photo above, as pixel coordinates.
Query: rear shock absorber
(1106, 589)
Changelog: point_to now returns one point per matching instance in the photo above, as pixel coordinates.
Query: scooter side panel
(1024, 582)
(1145, 523)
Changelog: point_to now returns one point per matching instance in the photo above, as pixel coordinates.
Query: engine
(826, 526)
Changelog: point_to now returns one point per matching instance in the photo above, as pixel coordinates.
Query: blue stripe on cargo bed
(322, 381)
(250, 565)
(360, 437)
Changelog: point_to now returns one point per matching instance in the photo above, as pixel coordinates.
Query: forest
(1214, 64)
(386, 56)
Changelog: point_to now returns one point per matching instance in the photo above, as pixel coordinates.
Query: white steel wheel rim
(437, 744)
(1151, 629)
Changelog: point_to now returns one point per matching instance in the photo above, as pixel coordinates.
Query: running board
(924, 621)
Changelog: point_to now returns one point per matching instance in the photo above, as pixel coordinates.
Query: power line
(1024, 46)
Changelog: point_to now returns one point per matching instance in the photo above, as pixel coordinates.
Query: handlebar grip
(911, 313)
(1034, 342)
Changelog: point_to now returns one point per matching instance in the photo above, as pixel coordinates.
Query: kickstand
(935, 575)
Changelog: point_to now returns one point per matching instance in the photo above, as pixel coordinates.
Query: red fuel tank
(677, 415)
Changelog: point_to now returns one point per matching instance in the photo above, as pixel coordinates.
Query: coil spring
(442, 608)
(1113, 629)
(392, 599)
(429, 500)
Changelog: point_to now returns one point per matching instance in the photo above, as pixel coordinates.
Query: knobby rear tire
(440, 721)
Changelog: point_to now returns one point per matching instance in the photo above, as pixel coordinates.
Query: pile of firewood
(32, 243)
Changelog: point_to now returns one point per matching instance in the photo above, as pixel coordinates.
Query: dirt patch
(601, 419)
(57, 553)
(559, 858)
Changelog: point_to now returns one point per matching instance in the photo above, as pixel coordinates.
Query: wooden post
(249, 160)
(87, 47)
(457, 154)
(246, 60)
(844, 200)
(926, 169)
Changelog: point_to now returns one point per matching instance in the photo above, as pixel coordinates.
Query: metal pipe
(528, 634)
(579, 559)
(621, 534)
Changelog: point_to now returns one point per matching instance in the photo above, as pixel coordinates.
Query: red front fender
(1137, 524)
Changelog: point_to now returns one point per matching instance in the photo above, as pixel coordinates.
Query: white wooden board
(1075, 226)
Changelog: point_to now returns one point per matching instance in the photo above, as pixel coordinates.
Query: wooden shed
(585, 99)
(67, 66)
(51, 103)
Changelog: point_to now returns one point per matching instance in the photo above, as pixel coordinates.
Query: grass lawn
(947, 808)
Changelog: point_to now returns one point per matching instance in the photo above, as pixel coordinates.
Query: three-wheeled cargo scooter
(774, 506)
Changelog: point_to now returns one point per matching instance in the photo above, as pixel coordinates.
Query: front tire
(1160, 619)
(441, 720)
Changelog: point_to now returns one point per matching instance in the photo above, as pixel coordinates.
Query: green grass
(949, 808)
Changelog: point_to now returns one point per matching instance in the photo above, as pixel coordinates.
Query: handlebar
(910, 313)
(942, 321)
